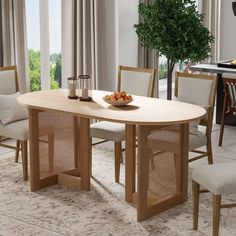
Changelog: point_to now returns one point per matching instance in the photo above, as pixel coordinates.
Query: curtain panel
(87, 32)
(211, 11)
(148, 58)
(13, 40)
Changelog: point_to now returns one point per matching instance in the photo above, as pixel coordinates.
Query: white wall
(227, 31)
(119, 42)
(108, 49)
(128, 40)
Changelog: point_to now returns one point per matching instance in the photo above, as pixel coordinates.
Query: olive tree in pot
(174, 28)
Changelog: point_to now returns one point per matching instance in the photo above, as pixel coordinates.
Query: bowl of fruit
(118, 99)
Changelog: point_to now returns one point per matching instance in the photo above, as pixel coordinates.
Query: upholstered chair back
(195, 91)
(136, 81)
(200, 90)
(8, 80)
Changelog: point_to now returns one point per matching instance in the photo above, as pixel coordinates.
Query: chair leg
(118, 152)
(222, 125)
(91, 157)
(24, 152)
(121, 158)
(209, 151)
(216, 214)
(17, 151)
(195, 191)
(51, 152)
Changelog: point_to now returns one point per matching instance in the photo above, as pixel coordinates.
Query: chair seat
(20, 130)
(197, 139)
(218, 178)
(108, 130)
(156, 139)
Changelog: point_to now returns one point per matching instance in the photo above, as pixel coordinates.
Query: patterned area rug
(59, 210)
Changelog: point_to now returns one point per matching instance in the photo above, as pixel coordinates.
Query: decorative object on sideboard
(85, 92)
(72, 86)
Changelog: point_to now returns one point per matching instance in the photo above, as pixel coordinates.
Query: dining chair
(18, 127)
(200, 90)
(229, 104)
(135, 81)
(219, 179)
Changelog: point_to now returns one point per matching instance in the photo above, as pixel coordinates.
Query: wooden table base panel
(84, 153)
(130, 162)
(143, 173)
(77, 177)
(34, 149)
(151, 204)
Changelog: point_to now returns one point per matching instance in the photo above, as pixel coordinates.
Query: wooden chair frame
(227, 108)
(17, 147)
(22, 146)
(208, 119)
(217, 205)
(133, 69)
(118, 145)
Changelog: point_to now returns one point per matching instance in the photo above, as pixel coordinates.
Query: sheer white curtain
(13, 41)
(211, 11)
(88, 28)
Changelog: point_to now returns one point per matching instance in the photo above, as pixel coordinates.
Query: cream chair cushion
(16, 130)
(159, 137)
(218, 178)
(189, 88)
(108, 130)
(197, 139)
(11, 110)
(136, 83)
(188, 91)
(20, 130)
(8, 82)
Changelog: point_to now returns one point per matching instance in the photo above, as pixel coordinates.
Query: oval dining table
(142, 114)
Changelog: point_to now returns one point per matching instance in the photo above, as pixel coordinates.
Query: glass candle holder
(72, 86)
(85, 92)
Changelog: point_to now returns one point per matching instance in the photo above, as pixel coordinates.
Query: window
(43, 19)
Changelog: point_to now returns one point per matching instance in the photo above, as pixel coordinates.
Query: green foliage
(162, 71)
(174, 28)
(57, 72)
(35, 73)
(34, 70)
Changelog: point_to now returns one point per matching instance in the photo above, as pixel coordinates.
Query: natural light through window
(33, 35)
(55, 42)
(34, 50)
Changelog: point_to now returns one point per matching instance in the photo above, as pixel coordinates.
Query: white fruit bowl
(118, 103)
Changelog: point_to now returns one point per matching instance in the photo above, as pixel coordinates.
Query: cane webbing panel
(165, 144)
(63, 142)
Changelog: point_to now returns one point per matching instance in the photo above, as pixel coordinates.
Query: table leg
(130, 162)
(143, 173)
(76, 142)
(219, 98)
(84, 152)
(184, 167)
(34, 149)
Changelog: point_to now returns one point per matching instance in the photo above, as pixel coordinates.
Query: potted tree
(174, 28)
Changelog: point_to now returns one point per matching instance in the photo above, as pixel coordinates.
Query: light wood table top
(141, 111)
